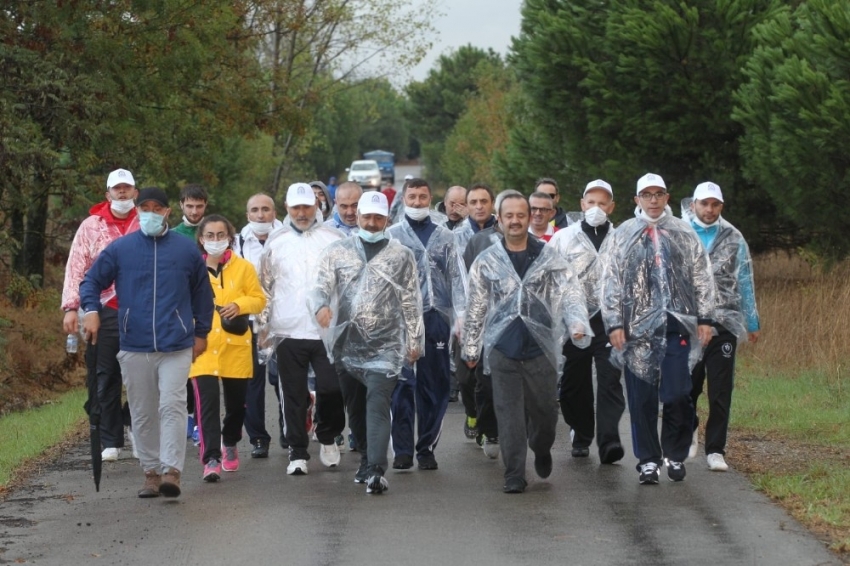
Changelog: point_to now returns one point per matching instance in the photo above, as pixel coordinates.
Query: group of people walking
(506, 299)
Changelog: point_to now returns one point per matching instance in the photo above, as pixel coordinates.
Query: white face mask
(122, 206)
(595, 216)
(215, 249)
(260, 228)
(416, 213)
(187, 223)
(699, 222)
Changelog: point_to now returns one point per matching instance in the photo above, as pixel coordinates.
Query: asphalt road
(584, 514)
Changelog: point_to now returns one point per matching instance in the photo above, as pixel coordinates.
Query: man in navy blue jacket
(165, 313)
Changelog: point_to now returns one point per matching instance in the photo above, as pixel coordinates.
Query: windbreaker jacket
(230, 355)
(442, 279)
(651, 271)
(732, 266)
(376, 305)
(574, 245)
(94, 234)
(287, 274)
(164, 293)
(549, 300)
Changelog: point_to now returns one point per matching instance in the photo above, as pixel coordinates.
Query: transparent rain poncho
(574, 246)
(731, 264)
(376, 306)
(549, 300)
(650, 271)
(442, 276)
(287, 273)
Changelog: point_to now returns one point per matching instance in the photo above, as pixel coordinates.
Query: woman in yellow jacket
(228, 356)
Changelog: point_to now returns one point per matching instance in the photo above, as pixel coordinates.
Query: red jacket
(94, 234)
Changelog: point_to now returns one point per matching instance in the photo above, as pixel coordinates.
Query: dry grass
(804, 311)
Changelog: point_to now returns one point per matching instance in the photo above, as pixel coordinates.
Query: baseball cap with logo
(650, 180)
(300, 194)
(708, 190)
(599, 184)
(120, 176)
(373, 202)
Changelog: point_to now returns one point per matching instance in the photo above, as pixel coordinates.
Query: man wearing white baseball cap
(736, 318)
(287, 273)
(108, 221)
(581, 244)
(367, 297)
(657, 302)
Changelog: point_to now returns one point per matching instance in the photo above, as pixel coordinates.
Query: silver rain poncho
(651, 270)
(376, 306)
(287, 273)
(574, 246)
(731, 264)
(442, 276)
(549, 300)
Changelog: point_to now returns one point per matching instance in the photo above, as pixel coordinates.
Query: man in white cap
(736, 318)
(367, 297)
(581, 243)
(287, 273)
(108, 221)
(657, 306)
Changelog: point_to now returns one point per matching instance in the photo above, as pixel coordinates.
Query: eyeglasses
(536, 210)
(210, 237)
(647, 197)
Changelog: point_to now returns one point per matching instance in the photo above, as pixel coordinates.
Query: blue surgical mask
(371, 237)
(151, 223)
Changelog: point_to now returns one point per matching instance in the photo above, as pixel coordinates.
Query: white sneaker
(110, 454)
(692, 451)
(491, 447)
(297, 468)
(329, 455)
(716, 462)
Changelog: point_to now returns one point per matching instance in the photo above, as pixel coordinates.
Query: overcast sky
(482, 23)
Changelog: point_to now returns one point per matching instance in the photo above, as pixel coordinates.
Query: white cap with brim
(708, 190)
(650, 180)
(373, 202)
(299, 194)
(599, 184)
(120, 176)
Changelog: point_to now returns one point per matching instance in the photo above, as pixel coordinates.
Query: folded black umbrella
(92, 407)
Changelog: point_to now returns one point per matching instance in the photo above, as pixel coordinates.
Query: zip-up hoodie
(164, 291)
(94, 234)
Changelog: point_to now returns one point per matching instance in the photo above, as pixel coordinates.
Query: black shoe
(453, 396)
(261, 449)
(470, 430)
(580, 452)
(514, 485)
(543, 465)
(377, 483)
(362, 472)
(403, 462)
(427, 461)
(648, 474)
(611, 453)
(675, 471)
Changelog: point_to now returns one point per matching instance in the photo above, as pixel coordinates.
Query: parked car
(386, 162)
(366, 173)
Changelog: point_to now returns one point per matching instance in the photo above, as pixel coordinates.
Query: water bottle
(71, 344)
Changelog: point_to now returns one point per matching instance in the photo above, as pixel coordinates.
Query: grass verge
(28, 434)
(789, 434)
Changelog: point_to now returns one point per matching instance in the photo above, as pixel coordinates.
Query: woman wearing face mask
(228, 356)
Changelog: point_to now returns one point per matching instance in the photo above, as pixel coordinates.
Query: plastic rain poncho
(651, 270)
(549, 300)
(376, 306)
(442, 277)
(287, 273)
(574, 246)
(731, 264)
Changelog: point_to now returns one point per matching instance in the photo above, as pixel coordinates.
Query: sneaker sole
(651, 481)
(229, 469)
(212, 478)
(296, 472)
(169, 490)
